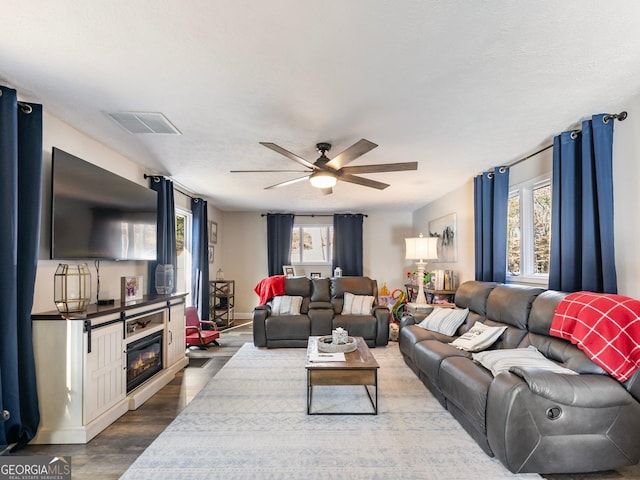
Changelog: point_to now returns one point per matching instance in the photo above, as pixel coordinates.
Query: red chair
(195, 335)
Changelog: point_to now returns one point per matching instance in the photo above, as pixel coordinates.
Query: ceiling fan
(324, 172)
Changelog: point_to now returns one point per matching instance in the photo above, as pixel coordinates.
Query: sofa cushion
(511, 304)
(445, 320)
(473, 295)
(499, 361)
(321, 291)
(478, 338)
(357, 304)
(286, 305)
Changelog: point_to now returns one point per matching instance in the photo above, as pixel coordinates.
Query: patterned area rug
(250, 421)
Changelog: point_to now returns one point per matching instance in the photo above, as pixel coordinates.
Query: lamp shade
(72, 288)
(421, 248)
(322, 179)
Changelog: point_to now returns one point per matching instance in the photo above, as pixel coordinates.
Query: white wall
(626, 181)
(460, 202)
(245, 254)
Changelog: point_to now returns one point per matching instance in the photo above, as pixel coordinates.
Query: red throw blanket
(269, 287)
(605, 327)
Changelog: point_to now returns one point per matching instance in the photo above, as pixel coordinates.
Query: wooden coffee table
(359, 368)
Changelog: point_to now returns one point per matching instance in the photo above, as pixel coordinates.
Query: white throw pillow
(445, 320)
(479, 337)
(357, 304)
(286, 305)
(499, 361)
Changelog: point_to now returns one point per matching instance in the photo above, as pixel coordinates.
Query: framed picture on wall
(445, 229)
(213, 233)
(289, 270)
(210, 254)
(316, 275)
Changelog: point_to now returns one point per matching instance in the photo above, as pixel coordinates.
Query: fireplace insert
(144, 359)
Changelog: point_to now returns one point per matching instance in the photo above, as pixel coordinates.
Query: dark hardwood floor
(109, 454)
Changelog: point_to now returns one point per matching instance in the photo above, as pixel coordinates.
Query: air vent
(144, 122)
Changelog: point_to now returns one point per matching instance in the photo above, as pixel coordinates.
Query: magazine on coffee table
(326, 357)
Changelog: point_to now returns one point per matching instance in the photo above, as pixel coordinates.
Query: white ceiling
(456, 85)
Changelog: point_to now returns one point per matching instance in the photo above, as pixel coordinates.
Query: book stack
(443, 280)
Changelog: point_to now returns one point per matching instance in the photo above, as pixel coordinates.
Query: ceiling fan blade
(268, 171)
(288, 182)
(363, 181)
(327, 191)
(288, 154)
(387, 167)
(350, 154)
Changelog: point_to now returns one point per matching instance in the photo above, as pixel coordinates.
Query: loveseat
(531, 419)
(321, 310)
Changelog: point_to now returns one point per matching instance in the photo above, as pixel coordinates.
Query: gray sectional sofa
(531, 420)
(321, 312)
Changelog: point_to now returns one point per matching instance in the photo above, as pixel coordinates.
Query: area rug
(250, 421)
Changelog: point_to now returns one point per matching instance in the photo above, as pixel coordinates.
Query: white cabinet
(81, 364)
(105, 382)
(176, 333)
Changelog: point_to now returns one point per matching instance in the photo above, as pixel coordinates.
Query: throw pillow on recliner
(357, 304)
(445, 320)
(286, 305)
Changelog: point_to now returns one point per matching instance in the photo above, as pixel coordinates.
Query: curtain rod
(620, 116)
(174, 187)
(318, 214)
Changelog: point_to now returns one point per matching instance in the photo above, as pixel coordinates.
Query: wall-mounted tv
(96, 214)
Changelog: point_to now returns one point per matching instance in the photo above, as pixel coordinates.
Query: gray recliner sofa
(321, 312)
(532, 420)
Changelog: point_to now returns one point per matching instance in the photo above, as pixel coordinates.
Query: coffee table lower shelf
(359, 368)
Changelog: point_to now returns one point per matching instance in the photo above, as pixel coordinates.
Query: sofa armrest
(407, 319)
(577, 390)
(549, 422)
(260, 314)
(321, 305)
(383, 318)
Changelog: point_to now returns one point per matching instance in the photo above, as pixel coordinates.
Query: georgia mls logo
(35, 468)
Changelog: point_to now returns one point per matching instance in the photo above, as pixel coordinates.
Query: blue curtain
(166, 233)
(582, 241)
(279, 231)
(200, 254)
(347, 243)
(20, 203)
(491, 198)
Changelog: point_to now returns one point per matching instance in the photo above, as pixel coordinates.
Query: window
(529, 231)
(312, 244)
(183, 252)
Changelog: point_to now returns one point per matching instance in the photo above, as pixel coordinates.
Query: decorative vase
(164, 279)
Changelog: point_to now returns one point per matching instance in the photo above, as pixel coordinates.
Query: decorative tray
(325, 344)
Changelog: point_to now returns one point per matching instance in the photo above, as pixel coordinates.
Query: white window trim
(525, 191)
(302, 226)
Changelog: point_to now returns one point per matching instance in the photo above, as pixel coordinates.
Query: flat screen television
(96, 214)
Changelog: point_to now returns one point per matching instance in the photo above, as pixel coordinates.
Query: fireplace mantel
(81, 364)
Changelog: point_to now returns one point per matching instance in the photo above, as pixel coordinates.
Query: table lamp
(421, 248)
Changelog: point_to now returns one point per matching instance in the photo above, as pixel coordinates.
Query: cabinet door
(176, 334)
(106, 382)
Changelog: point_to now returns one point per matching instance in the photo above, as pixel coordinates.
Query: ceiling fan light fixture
(323, 179)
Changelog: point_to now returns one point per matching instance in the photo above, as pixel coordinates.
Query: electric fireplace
(144, 359)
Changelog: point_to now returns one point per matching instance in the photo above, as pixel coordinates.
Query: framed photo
(131, 288)
(210, 254)
(289, 270)
(213, 233)
(316, 275)
(445, 229)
